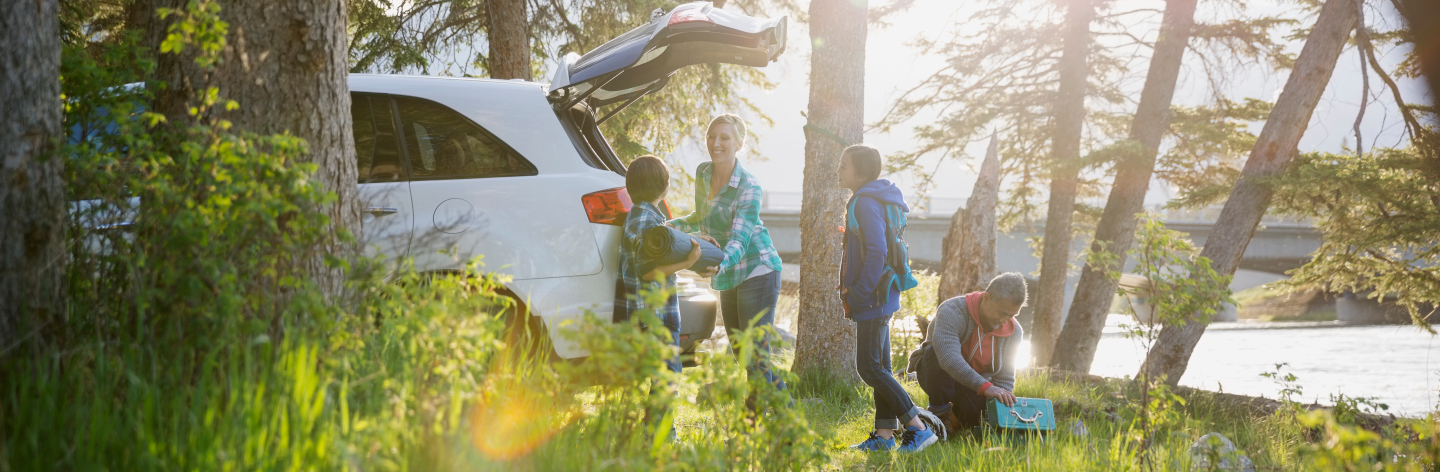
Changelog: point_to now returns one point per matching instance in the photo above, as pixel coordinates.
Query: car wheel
(522, 329)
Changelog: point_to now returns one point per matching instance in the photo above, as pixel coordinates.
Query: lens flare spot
(514, 416)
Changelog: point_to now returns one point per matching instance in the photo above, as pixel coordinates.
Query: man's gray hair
(1009, 286)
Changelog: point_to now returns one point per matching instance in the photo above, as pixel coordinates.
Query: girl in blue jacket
(869, 304)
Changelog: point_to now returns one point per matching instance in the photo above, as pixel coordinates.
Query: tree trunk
(285, 64)
(1065, 141)
(509, 39)
(1423, 18)
(825, 338)
(969, 248)
(1272, 153)
(32, 190)
(1075, 349)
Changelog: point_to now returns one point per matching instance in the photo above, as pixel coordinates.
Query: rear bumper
(562, 302)
(698, 309)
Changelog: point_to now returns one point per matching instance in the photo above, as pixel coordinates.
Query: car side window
(377, 151)
(443, 144)
(364, 126)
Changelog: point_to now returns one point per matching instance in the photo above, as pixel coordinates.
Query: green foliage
(1290, 388)
(1156, 415)
(96, 24)
(1379, 217)
(195, 340)
(1376, 210)
(1408, 446)
(181, 222)
(918, 302)
(1340, 438)
(1180, 287)
(1210, 144)
(398, 36)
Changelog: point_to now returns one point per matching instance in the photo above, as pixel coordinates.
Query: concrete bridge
(1278, 245)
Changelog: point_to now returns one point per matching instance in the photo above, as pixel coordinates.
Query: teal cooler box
(1028, 416)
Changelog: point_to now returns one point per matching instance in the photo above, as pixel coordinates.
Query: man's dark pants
(968, 406)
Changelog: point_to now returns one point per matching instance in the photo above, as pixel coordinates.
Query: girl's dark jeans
(893, 407)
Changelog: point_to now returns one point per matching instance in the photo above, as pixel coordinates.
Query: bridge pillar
(1360, 309)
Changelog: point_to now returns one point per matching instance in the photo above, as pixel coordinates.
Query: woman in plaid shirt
(727, 213)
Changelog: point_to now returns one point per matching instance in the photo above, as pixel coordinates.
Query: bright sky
(893, 67)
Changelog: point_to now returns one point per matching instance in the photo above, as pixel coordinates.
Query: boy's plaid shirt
(733, 219)
(643, 216)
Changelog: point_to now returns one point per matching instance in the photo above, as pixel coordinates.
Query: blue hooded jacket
(865, 262)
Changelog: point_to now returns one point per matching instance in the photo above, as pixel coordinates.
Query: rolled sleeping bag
(666, 245)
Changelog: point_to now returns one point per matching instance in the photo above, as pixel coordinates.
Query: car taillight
(686, 16)
(607, 207)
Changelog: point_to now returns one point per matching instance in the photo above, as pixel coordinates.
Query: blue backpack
(897, 275)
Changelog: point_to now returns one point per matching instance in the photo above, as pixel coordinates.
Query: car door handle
(382, 211)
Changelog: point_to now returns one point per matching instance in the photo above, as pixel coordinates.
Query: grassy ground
(843, 416)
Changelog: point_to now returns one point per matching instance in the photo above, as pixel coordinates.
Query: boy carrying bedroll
(968, 357)
(872, 276)
(647, 180)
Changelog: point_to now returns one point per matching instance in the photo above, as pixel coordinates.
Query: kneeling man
(971, 349)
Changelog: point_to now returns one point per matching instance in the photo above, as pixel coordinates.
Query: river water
(1398, 365)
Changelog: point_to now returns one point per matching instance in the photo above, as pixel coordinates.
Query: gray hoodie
(953, 325)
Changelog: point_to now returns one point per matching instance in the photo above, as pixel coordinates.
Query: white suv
(518, 172)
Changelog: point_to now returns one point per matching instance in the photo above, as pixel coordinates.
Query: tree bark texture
(1068, 123)
(1075, 348)
(969, 247)
(509, 38)
(32, 190)
(285, 64)
(1272, 153)
(825, 338)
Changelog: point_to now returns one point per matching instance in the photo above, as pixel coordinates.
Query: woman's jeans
(893, 407)
(753, 301)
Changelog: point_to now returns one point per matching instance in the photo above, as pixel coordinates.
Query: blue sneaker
(875, 444)
(917, 439)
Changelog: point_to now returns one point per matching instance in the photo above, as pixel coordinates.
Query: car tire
(522, 328)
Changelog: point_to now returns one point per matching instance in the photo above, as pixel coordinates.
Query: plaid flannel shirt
(733, 219)
(643, 216)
